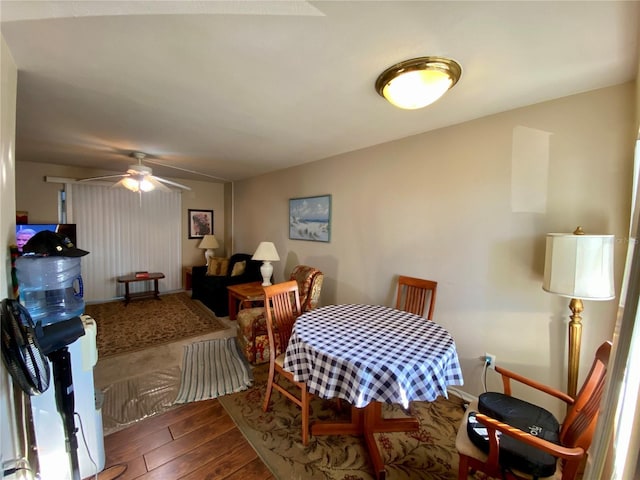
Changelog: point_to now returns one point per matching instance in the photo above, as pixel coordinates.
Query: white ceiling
(239, 88)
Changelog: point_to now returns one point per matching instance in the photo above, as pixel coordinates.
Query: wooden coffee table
(127, 279)
(241, 293)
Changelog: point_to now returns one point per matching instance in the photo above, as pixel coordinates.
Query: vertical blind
(125, 232)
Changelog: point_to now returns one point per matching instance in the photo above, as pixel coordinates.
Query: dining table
(368, 355)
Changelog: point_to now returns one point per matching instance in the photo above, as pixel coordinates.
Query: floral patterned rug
(149, 322)
(429, 453)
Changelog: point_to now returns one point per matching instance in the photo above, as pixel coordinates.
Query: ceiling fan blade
(162, 164)
(120, 183)
(169, 182)
(156, 184)
(102, 177)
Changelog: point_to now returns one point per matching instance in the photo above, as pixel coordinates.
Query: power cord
(96, 476)
(484, 374)
(11, 471)
(86, 446)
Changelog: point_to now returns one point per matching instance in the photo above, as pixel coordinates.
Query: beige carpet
(147, 323)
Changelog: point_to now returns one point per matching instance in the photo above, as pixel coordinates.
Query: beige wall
(39, 198)
(439, 206)
(9, 444)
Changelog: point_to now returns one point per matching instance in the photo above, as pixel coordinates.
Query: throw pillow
(238, 268)
(218, 266)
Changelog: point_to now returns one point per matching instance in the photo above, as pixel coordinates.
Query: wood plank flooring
(197, 441)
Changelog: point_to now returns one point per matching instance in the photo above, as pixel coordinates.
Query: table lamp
(210, 243)
(267, 253)
(579, 267)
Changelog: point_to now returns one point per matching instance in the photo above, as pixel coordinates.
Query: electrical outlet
(490, 360)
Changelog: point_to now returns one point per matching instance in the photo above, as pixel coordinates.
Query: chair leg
(267, 395)
(305, 397)
(463, 467)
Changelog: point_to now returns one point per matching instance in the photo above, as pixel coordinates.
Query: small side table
(241, 293)
(187, 272)
(127, 279)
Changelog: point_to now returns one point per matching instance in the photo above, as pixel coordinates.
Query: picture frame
(310, 218)
(200, 223)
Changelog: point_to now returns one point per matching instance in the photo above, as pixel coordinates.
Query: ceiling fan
(139, 178)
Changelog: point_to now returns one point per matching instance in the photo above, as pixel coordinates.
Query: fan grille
(21, 353)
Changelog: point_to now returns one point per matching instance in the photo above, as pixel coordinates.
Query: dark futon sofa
(212, 289)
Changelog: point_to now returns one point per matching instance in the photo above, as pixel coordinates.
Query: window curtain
(125, 232)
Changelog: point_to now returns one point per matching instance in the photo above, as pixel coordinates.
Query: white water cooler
(49, 430)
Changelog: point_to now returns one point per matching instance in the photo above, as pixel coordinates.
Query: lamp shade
(579, 266)
(209, 241)
(266, 251)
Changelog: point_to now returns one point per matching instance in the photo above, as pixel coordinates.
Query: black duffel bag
(514, 454)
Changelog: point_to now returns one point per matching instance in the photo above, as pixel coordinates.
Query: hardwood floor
(197, 441)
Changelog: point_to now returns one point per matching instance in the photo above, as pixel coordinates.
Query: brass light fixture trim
(439, 72)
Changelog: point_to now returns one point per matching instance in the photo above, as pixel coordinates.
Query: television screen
(26, 231)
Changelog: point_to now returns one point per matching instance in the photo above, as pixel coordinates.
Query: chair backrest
(309, 284)
(282, 307)
(580, 421)
(414, 294)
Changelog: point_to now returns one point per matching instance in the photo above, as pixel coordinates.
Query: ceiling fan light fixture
(130, 183)
(137, 180)
(418, 82)
(146, 185)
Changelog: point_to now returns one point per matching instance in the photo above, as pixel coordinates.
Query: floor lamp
(579, 267)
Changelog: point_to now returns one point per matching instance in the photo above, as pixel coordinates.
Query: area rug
(212, 368)
(149, 322)
(428, 454)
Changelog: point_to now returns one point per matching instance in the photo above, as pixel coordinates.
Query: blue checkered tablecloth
(365, 353)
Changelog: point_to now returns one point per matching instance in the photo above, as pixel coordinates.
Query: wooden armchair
(252, 326)
(574, 435)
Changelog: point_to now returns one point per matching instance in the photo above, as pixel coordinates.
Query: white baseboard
(467, 397)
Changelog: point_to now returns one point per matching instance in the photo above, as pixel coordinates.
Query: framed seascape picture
(200, 223)
(310, 218)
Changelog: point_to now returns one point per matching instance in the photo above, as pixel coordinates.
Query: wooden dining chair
(282, 307)
(574, 434)
(413, 295)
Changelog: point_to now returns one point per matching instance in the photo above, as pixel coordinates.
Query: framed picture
(310, 218)
(200, 223)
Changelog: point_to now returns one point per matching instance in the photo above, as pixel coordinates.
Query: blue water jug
(50, 287)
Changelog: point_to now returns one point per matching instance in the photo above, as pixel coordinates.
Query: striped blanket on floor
(213, 368)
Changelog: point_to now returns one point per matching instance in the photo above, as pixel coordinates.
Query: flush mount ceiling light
(418, 82)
